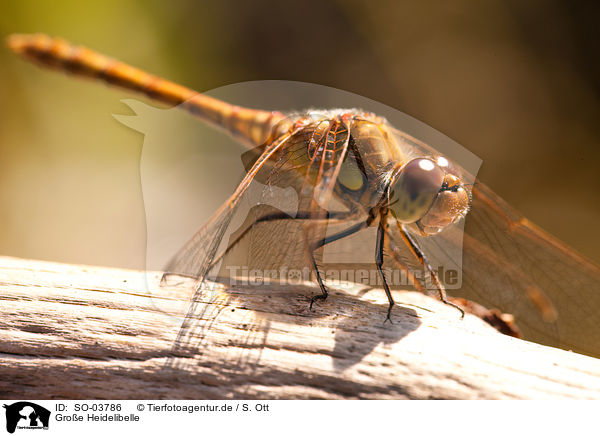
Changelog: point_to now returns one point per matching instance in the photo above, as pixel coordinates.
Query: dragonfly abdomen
(253, 127)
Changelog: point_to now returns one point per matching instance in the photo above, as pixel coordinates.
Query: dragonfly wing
(511, 264)
(508, 263)
(304, 164)
(195, 258)
(306, 169)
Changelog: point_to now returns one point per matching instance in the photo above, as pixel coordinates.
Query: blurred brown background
(517, 83)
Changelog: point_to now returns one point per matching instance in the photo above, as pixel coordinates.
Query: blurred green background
(517, 83)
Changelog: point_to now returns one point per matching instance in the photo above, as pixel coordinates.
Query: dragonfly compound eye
(414, 188)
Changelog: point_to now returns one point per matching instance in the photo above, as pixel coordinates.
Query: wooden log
(75, 332)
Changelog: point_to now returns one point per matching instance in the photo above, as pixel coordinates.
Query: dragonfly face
(423, 196)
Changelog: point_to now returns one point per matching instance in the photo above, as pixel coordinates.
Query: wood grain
(82, 332)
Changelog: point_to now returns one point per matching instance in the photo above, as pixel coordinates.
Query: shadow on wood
(90, 332)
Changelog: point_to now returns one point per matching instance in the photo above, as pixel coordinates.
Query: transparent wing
(279, 231)
(195, 258)
(264, 242)
(510, 264)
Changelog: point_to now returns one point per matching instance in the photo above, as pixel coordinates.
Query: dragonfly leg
(379, 262)
(423, 260)
(324, 294)
(335, 237)
(393, 250)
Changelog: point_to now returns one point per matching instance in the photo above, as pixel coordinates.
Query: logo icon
(26, 415)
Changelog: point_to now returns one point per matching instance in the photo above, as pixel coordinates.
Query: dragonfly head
(426, 197)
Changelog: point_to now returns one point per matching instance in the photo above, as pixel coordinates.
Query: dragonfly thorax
(380, 170)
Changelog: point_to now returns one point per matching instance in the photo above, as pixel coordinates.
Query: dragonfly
(384, 179)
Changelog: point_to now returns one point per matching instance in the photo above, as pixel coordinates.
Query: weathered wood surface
(88, 332)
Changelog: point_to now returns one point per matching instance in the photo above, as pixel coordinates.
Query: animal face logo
(24, 414)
